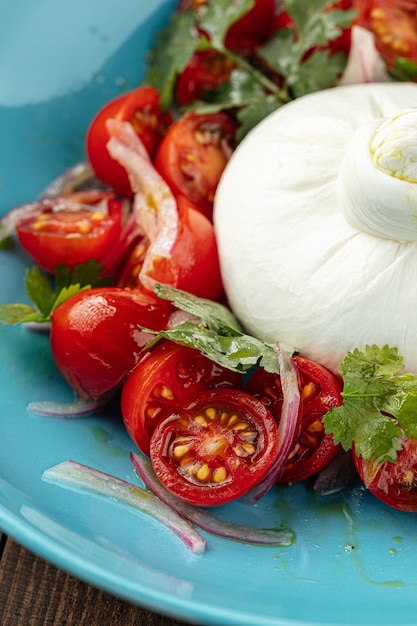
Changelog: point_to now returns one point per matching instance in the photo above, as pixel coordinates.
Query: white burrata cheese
(298, 266)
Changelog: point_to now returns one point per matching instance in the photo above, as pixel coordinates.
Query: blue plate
(353, 561)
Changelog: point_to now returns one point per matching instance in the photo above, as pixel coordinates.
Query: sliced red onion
(154, 206)
(289, 423)
(76, 178)
(78, 408)
(77, 476)
(204, 520)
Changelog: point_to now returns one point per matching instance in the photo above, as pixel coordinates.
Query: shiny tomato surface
(162, 380)
(95, 338)
(214, 448)
(320, 391)
(141, 108)
(393, 483)
(70, 229)
(193, 264)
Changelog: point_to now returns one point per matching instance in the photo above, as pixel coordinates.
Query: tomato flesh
(95, 339)
(193, 154)
(394, 25)
(312, 449)
(164, 378)
(395, 484)
(141, 108)
(215, 448)
(193, 264)
(70, 229)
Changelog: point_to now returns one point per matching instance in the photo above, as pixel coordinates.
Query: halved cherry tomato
(163, 379)
(70, 229)
(214, 448)
(320, 391)
(95, 338)
(141, 108)
(393, 483)
(193, 265)
(193, 154)
(394, 25)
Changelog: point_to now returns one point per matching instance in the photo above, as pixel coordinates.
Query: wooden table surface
(35, 593)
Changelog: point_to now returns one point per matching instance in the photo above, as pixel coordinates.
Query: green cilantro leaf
(217, 17)
(253, 113)
(46, 296)
(216, 333)
(379, 404)
(315, 24)
(174, 46)
(320, 71)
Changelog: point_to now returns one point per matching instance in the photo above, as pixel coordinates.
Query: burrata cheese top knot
(316, 223)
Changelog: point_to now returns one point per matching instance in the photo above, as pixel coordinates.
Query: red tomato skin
(167, 376)
(311, 452)
(50, 241)
(193, 154)
(139, 107)
(207, 69)
(255, 24)
(194, 264)
(395, 484)
(394, 25)
(242, 473)
(95, 339)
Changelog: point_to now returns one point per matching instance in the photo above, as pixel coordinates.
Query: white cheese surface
(295, 270)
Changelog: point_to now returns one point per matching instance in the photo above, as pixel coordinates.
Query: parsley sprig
(297, 54)
(379, 404)
(47, 294)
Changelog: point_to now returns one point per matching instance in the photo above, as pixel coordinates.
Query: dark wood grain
(35, 593)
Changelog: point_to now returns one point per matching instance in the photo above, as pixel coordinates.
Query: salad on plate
(214, 266)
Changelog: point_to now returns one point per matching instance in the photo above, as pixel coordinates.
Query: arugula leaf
(217, 334)
(174, 46)
(379, 404)
(46, 297)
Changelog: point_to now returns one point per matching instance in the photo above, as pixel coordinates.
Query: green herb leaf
(255, 112)
(320, 71)
(174, 46)
(379, 404)
(216, 333)
(217, 17)
(47, 293)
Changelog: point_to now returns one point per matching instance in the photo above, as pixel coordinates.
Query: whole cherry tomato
(394, 25)
(164, 378)
(193, 265)
(320, 391)
(141, 108)
(254, 25)
(70, 229)
(95, 336)
(207, 69)
(214, 448)
(193, 154)
(395, 484)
